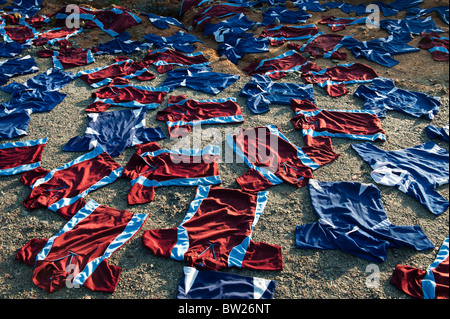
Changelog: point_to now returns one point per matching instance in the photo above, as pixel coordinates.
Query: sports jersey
(322, 46)
(10, 50)
(20, 34)
(126, 69)
(334, 79)
(235, 46)
(261, 92)
(27, 8)
(203, 284)
(338, 24)
(186, 5)
(382, 96)
(152, 167)
(54, 35)
(379, 50)
(62, 190)
(237, 24)
(436, 132)
(163, 22)
(78, 255)
(416, 171)
(120, 44)
(132, 96)
(19, 157)
(16, 66)
(284, 15)
(272, 159)
(114, 131)
(199, 78)
(220, 10)
(14, 124)
(346, 7)
(351, 218)
(278, 35)
(436, 45)
(442, 11)
(67, 56)
(164, 60)
(403, 28)
(318, 126)
(279, 66)
(425, 284)
(182, 114)
(216, 233)
(180, 41)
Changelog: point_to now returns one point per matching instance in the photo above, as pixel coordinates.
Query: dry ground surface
(307, 274)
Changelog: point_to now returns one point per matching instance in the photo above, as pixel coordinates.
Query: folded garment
(54, 35)
(352, 219)
(437, 45)
(180, 41)
(436, 132)
(120, 44)
(403, 28)
(220, 10)
(152, 167)
(235, 46)
(416, 171)
(323, 46)
(278, 67)
(334, 79)
(261, 92)
(200, 79)
(163, 22)
(67, 56)
(14, 124)
(284, 15)
(237, 24)
(20, 157)
(182, 114)
(278, 35)
(16, 66)
(132, 96)
(114, 131)
(382, 96)
(165, 59)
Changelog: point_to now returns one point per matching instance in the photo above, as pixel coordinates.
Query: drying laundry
(393, 8)
(203, 284)
(164, 60)
(416, 171)
(435, 132)
(382, 96)
(284, 15)
(272, 159)
(309, 5)
(67, 56)
(21, 34)
(318, 126)
(235, 46)
(220, 10)
(37, 94)
(442, 11)
(20, 157)
(347, 8)
(54, 35)
(11, 49)
(278, 67)
(27, 8)
(163, 22)
(16, 66)
(120, 44)
(352, 219)
(132, 96)
(14, 124)
(180, 41)
(261, 92)
(237, 24)
(323, 46)
(63, 189)
(200, 78)
(182, 114)
(338, 24)
(438, 46)
(334, 79)
(186, 5)
(125, 69)
(152, 167)
(78, 255)
(216, 233)
(379, 50)
(431, 283)
(278, 35)
(114, 131)
(403, 28)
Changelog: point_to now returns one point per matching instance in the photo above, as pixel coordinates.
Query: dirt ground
(307, 274)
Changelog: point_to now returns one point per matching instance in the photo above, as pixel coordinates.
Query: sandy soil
(307, 274)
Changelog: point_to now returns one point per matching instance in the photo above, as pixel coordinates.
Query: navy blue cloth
(347, 8)
(28, 8)
(309, 5)
(352, 219)
(435, 132)
(10, 49)
(378, 50)
(115, 131)
(403, 28)
(236, 25)
(163, 22)
(284, 15)
(121, 44)
(14, 124)
(180, 41)
(382, 96)
(200, 78)
(17, 66)
(235, 46)
(261, 92)
(205, 284)
(416, 171)
(442, 11)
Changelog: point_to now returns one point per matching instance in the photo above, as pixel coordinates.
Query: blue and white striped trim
(21, 168)
(429, 282)
(303, 47)
(214, 120)
(316, 112)
(237, 253)
(102, 67)
(286, 54)
(182, 244)
(108, 80)
(210, 150)
(337, 47)
(24, 144)
(209, 180)
(378, 136)
(222, 100)
(440, 49)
